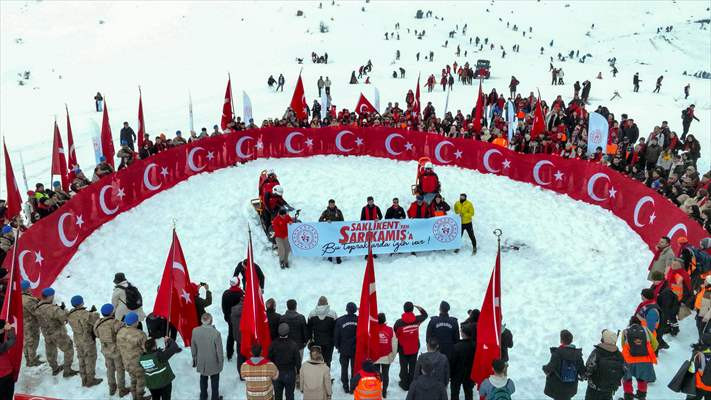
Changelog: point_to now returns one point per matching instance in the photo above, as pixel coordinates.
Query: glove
(93, 309)
(62, 306)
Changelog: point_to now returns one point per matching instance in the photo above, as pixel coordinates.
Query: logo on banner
(596, 136)
(445, 230)
(305, 237)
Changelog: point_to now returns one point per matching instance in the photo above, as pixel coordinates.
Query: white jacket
(118, 299)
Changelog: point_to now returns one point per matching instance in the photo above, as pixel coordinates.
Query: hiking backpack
(501, 393)
(134, 300)
(637, 340)
(609, 372)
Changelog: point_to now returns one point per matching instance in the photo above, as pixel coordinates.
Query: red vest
(385, 340)
(429, 182)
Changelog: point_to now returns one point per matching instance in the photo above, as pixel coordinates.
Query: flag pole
(232, 98)
(54, 128)
(170, 303)
(498, 232)
(12, 268)
(24, 174)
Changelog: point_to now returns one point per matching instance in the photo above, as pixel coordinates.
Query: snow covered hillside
(568, 276)
(74, 49)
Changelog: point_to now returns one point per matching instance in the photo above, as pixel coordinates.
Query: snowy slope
(570, 276)
(73, 49)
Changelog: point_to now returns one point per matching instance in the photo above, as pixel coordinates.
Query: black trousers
(214, 387)
(162, 393)
(700, 395)
(407, 369)
(593, 394)
(467, 385)
(470, 231)
(345, 361)
(284, 385)
(384, 370)
(230, 342)
(327, 353)
(7, 387)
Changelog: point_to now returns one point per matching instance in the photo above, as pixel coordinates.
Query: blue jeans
(214, 386)
(284, 385)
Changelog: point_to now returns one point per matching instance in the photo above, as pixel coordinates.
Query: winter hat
(322, 301)
(6, 229)
(119, 277)
(682, 240)
(56, 184)
(25, 284)
(130, 318)
(351, 308)
(234, 281)
(102, 158)
(408, 306)
(609, 337)
(283, 329)
(47, 292)
(107, 309)
(444, 307)
(178, 133)
(77, 301)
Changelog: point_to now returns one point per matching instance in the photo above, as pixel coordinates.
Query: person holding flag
(7, 341)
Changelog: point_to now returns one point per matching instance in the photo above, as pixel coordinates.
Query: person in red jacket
(280, 223)
(268, 184)
(407, 332)
(428, 183)
(418, 208)
(7, 379)
(387, 350)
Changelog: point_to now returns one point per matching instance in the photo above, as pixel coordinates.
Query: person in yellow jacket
(465, 209)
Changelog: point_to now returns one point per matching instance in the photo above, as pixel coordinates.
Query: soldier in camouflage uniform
(105, 330)
(31, 328)
(52, 319)
(82, 322)
(131, 343)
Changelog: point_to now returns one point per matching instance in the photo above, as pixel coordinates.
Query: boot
(112, 390)
(124, 391)
(83, 380)
(69, 373)
(474, 251)
(641, 395)
(93, 382)
(57, 370)
(629, 396)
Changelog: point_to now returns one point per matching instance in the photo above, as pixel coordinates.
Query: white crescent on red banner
(238, 147)
(591, 187)
(102, 201)
(23, 271)
(191, 160)
(676, 228)
(537, 172)
(146, 179)
(339, 145)
(486, 160)
(287, 142)
(60, 230)
(438, 152)
(638, 207)
(388, 143)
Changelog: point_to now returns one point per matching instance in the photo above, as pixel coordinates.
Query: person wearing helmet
(275, 200)
(429, 183)
(268, 184)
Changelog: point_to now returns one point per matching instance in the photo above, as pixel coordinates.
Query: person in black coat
(321, 326)
(345, 341)
(630, 131)
(230, 298)
(284, 353)
(297, 329)
(445, 329)
(395, 211)
(605, 368)
(461, 365)
(273, 318)
(506, 343)
(427, 387)
(564, 369)
(241, 270)
(127, 135)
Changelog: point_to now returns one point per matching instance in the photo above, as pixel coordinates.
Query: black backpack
(134, 300)
(609, 372)
(706, 375)
(637, 340)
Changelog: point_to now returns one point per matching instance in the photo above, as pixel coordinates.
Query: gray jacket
(206, 348)
(440, 364)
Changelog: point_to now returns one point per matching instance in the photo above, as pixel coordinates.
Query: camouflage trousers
(115, 372)
(31, 336)
(138, 380)
(62, 341)
(86, 353)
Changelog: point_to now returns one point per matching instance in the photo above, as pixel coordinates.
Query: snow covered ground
(74, 49)
(582, 268)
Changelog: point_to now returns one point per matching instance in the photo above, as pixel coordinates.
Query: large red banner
(49, 244)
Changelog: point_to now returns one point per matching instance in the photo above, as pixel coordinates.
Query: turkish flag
(479, 111)
(539, 124)
(227, 115)
(107, 142)
(367, 330)
(12, 314)
(298, 101)
(22, 396)
(175, 300)
(59, 160)
(364, 106)
(141, 124)
(488, 328)
(14, 201)
(71, 153)
(416, 105)
(253, 326)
